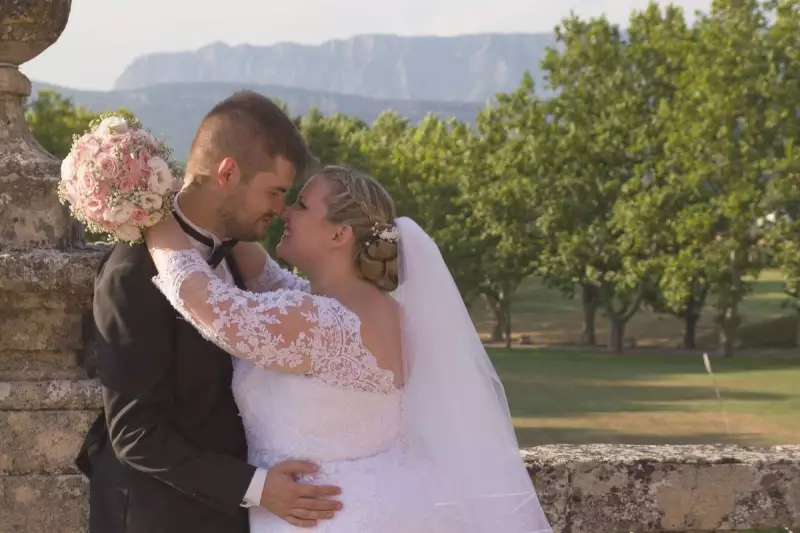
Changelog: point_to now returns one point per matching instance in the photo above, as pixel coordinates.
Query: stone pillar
(46, 274)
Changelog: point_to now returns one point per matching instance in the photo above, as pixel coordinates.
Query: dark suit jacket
(169, 452)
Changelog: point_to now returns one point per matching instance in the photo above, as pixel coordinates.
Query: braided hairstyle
(359, 201)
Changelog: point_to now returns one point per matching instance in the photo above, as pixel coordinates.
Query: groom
(168, 453)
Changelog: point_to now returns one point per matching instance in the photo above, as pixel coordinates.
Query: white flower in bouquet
(150, 201)
(117, 179)
(129, 232)
(160, 176)
(112, 126)
(68, 167)
(119, 214)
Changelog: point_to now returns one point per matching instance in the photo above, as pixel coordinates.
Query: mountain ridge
(463, 68)
(173, 111)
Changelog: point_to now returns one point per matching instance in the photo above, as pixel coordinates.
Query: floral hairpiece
(389, 234)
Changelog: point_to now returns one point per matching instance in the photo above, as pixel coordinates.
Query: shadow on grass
(554, 400)
(538, 436)
(572, 364)
(570, 396)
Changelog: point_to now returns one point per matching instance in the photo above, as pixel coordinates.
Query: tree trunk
(797, 331)
(616, 335)
(497, 330)
(589, 302)
(690, 320)
(690, 331)
(729, 323)
(499, 324)
(728, 326)
(725, 340)
(618, 318)
(506, 307)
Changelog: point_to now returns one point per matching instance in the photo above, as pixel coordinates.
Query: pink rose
(108, 166)
(144, 158)
(125, 185)
(86, 181)
(88, 148)
(102, 191)
(94, 208)
(108, 226)
(139, 215)
(133, 170)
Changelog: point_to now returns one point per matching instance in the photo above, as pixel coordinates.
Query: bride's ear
(343, 236)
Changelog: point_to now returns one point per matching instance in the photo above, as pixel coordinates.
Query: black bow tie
(223, 251)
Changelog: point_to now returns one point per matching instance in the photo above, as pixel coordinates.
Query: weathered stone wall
(602, 488)
(46, 400)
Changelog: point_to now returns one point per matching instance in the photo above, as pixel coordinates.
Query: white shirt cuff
(252, 497)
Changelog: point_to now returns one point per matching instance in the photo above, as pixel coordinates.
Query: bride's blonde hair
(359, 201)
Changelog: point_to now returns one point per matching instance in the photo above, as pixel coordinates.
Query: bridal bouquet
(117, 179)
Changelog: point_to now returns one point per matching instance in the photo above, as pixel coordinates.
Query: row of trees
(664, 172)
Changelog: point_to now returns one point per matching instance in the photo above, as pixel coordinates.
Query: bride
(373, 370)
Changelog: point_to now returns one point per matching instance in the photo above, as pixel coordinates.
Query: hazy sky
(103, 37)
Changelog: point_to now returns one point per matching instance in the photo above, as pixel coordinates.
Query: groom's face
(257, 199)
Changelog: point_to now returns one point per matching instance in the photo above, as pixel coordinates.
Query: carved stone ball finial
(30, 213)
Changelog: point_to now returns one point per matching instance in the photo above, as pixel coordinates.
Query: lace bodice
(285, 330)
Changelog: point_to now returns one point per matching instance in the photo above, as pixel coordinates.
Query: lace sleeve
(273, 277)
(279, 330)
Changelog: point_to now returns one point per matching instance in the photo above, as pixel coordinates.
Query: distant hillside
(175, 110)
(448, 69)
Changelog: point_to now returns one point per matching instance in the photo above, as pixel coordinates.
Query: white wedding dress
(344, 413)
(345, 416)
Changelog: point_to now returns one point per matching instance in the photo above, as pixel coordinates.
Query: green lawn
(569, 396)
(549, 318)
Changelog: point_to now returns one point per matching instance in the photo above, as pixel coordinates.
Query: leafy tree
(497, 184)
(592, 175)
(656, 55)
(782, 219)
(333, 139)
(423, 166)
(722, 143)
(54, 120)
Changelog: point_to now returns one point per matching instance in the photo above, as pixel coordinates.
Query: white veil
(455, 408)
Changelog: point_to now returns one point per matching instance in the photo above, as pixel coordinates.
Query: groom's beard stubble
(247, 231)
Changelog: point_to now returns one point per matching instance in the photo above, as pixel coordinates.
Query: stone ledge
(20, 365)
(584, 489)
(42, 442)
(49, 270)
(50, 394)
(37, 330)
(33, 504)
(610, 488)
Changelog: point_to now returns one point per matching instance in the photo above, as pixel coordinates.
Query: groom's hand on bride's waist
(298, 503)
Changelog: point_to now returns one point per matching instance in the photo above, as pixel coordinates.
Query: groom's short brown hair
(253, 130)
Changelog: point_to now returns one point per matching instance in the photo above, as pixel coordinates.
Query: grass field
(569, 396)
(551, 319)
